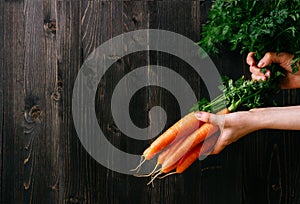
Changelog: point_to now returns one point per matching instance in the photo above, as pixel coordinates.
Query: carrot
(167, 170)
(173, 158)
(194, 154)
(205, 131)
(180, 165)
(189, 158)
(165, 154)
(162, 156)
(186, 161)
(183, 127)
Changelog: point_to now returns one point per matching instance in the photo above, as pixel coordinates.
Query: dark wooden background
(43, 43)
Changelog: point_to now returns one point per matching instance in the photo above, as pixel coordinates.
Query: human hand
(235, 125)
(232, 127)
(283, 59)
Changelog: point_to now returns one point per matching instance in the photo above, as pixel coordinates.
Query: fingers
(217, 120)
(218, 148)
(258, 77)
(214, 119)
(208, 146)
(202, 116)
(257, 74)
(256, 69)
(269, 58)
(250, 59)
(220, 144)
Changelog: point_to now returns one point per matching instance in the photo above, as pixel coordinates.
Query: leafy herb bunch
(251, 25)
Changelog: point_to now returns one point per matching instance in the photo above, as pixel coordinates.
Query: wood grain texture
(1, 95)
(13, 103)
(43, 44)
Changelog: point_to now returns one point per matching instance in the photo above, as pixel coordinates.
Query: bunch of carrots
(183, 143)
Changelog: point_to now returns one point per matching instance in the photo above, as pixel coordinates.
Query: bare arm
(283, 118)
(233, 126)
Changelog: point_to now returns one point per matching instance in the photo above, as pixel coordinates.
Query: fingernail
(267, 74)
(198, 115)
(260, 64)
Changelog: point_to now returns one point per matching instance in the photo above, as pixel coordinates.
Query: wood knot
(33, 115)
(137, 18)
(55, 187)
(26, 185)
(50, 26)
(276, 187)
(134, 19)
(56, 95)
(75, 199)
(59, 85)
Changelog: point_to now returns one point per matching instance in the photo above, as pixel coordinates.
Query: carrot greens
(259, 26)
(242, 94)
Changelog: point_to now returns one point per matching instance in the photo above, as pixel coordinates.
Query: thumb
(268, 59)
(210, 117)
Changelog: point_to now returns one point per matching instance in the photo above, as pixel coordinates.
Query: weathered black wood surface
(42, 47)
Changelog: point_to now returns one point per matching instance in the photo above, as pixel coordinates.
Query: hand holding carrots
(236, 125)
(181, 145)
(232, 126)
(180, 153)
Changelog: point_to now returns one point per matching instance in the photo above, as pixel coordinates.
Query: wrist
(259, 118)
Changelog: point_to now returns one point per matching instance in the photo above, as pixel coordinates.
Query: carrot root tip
(137, 169)
(150, 174)
(169, 174)
(154, 177)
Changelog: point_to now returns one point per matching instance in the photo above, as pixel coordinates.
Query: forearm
(283, 118)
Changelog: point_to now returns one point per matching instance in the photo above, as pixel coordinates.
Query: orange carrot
(171, 147)
(181, 165)
(194, 154)
(170, 168)
(183, 127)
(175, 144)
(188, 143)
(191, 141)
(165, 154)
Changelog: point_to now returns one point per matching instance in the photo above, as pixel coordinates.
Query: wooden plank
(41, 125)
(100, 22)
(52, 89)
(1, 95)
(13, 102)
(72, 174)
